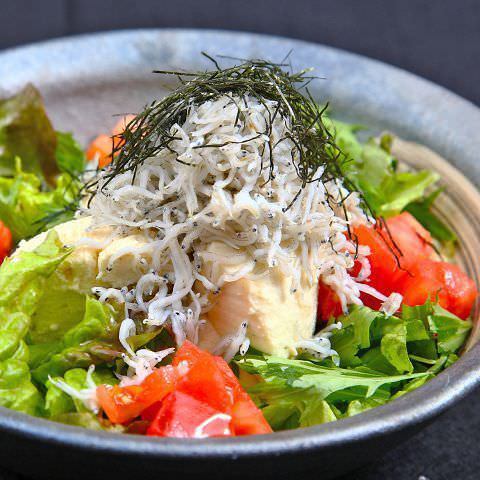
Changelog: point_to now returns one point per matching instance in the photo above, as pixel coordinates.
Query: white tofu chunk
(277, 318)
(106, 262)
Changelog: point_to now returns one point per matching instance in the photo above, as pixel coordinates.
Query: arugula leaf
(354, 335)
(381, 358)
(26, 132)
(303, 374)
(374, 359)
(449, 331)
(297, 393)
(392, 333)
(361, 327)
(372, 339)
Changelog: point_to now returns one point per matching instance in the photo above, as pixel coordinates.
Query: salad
(231, 260)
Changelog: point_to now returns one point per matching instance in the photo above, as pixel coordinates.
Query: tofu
(120, 262)
(111, 265)
(277, 318)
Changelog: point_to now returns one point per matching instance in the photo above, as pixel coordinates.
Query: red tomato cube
(183, 416)
(456, 292)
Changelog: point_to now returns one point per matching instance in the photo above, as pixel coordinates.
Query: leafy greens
(26, 132)
(381, 358)
(27, 208)
(39, 168)
(372, 169)
(35, 345)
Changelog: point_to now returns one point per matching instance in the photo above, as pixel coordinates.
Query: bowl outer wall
(79, 75)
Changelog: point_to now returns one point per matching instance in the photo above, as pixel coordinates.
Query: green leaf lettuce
(27, 208)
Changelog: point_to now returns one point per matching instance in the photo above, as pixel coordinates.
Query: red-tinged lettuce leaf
(26, 132)
(69, 154)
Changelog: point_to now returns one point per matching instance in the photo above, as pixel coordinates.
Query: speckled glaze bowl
(87, 79)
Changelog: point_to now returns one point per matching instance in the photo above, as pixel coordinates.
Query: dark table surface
(439, 40)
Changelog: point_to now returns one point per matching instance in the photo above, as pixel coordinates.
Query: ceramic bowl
(87, 79)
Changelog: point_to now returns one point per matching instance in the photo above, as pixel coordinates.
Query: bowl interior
(89, 104)
(458, 206)
(88, 80)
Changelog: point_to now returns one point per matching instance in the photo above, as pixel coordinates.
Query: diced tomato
(247, 418)
(101, 149)
(383, 264)
(456, 292)
(403, 260)
(188, 353)
(410, 237)
(410, 242)
(6, 241)
(158, 384)
(394, 249)
(419, 276)
(231, 381)
(184, 416)
(151, 412)
(203, 380)
(123, 404)
(120, 403)
(102, 146)
(328, 303)
(197, 395)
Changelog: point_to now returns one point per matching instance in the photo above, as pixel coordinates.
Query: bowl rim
(416, 407)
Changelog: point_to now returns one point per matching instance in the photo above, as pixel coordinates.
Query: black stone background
(437, 39)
